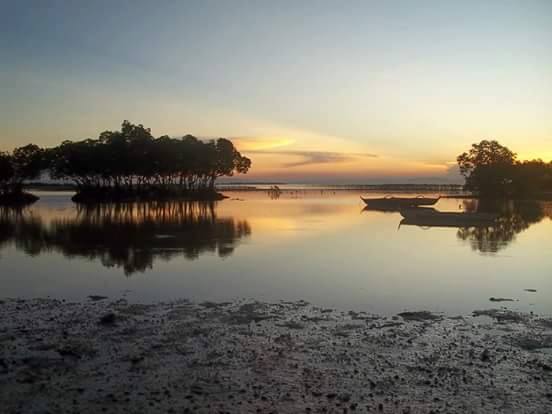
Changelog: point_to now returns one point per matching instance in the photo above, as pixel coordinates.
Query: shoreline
(116, 356)
(114, 198)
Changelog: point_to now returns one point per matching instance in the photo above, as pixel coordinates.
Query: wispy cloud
(314, 157)
(266, 144)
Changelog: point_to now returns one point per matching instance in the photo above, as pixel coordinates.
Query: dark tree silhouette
(491, 170)
(24, 163)
(488, 168)
(6, 172)
(532, 178)
(28, 162)
(131, 163)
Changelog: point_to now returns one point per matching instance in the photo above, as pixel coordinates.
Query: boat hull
(397, 203)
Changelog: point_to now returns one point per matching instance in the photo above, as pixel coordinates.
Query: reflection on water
(131, 236)
(513, 218)
(312, 245)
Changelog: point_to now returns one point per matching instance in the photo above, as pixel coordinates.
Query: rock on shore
(288, 357)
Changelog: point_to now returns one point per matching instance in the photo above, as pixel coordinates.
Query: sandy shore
(103, 356)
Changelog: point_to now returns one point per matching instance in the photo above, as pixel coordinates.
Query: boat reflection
(130, 236)
(487, 225)
(513, 218)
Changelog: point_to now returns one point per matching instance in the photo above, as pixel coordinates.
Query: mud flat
(105, 356)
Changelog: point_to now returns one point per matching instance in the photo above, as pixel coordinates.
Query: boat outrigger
(396, 203)
(429, 217)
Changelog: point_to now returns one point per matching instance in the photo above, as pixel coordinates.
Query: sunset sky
(311, 91)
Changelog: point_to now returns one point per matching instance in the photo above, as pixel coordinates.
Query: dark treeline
(24, 163)
(128, 164)
(493, 170)
(131, 236)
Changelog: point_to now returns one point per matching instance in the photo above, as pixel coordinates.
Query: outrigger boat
(429, 217)
(396, 203)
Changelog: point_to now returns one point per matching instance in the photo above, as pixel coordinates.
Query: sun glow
(251, 144)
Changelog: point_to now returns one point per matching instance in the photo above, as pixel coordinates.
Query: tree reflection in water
(513, 218)
(132, 236)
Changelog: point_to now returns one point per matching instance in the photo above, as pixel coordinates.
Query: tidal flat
(115, 356)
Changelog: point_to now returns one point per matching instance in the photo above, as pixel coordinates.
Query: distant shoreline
(265, 186)
(446, 191)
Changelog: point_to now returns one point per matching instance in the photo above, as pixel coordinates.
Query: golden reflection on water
(321, 246)
(290, 217)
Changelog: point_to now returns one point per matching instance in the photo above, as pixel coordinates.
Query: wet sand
(104, 356)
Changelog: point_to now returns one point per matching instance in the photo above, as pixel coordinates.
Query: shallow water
(318, 245)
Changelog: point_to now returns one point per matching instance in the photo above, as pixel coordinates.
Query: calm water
(321, 246)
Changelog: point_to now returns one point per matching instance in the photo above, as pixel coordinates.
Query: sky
(312, 91)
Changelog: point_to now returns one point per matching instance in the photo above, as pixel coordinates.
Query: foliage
(491, 169)
(487, 167)
(532, 177)
(133, 161)
(6, 172)
(24, 163)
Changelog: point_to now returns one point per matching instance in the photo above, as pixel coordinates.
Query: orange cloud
(301, 158)
(254, 144)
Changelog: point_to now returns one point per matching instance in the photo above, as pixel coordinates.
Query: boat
(429, 217)
(381, 209)
(391, 203)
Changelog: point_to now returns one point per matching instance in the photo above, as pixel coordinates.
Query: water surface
(322, 246)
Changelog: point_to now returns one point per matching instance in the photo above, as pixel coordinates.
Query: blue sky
(311, 90)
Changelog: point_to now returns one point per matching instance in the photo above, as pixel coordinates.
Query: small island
(22, 164)
(126, 165)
